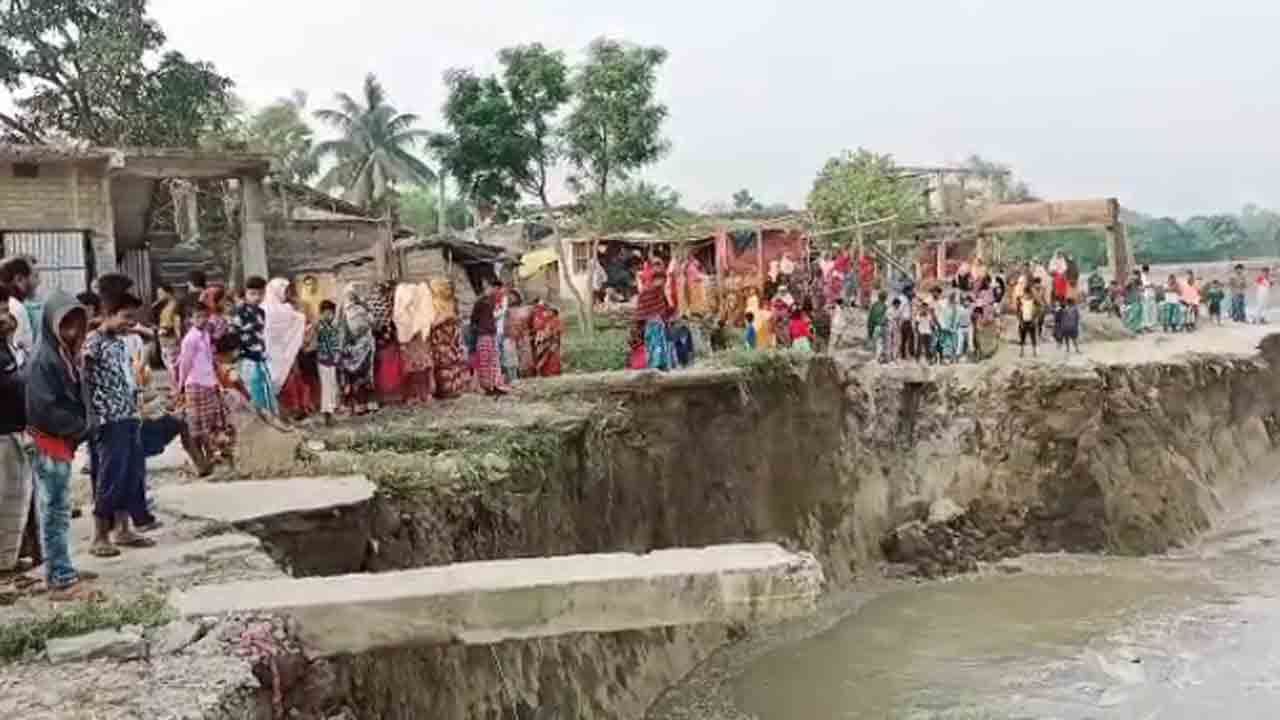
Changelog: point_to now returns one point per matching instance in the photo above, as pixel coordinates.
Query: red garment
(652, 303)
(388, 373)
(60, 449)
(801, 327)
(295, 395)
(844, 263)
(1061, 288)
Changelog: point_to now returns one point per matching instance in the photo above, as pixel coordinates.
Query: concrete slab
(237, 502)
(192, 552)
(489, 602)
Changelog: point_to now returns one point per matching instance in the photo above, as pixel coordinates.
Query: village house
(83, 211)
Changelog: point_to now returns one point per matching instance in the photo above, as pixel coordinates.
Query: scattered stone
(175, 637)
(496, 463)
(944, 510)
(116, 644)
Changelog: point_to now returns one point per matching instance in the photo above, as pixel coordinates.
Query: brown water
(1192, 635)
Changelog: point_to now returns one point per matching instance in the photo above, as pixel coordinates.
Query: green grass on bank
(606, 349)
(32, 636)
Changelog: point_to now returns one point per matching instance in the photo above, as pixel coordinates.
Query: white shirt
(24, 339)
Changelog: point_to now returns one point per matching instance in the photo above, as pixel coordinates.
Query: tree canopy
(374, 150)
(638, 206)
(615, 126)
(97, 70)
(502, 139)
(281, 130)
(863, 186)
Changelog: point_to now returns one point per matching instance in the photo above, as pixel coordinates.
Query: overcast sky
(1173, 106)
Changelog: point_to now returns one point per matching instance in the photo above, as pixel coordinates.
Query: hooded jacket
(13, 407)
(55, 401)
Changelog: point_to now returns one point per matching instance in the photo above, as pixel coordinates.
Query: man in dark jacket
(57, 422)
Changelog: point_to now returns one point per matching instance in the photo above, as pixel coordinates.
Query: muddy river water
(1194, 634)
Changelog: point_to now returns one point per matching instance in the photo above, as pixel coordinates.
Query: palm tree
(374, 152)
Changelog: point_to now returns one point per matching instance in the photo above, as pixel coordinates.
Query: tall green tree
(97, 70)
(503, 139)
(281, 130)
(537, 83)
(638, 206)
(862, 186)
(420, 208)
(375, 148)
(482, 149)
(744, 201)
(615, 126)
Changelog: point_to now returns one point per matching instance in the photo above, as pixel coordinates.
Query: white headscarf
(283, 332)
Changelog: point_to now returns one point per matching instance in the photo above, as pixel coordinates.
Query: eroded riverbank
(1134, 448)
(1189, 634)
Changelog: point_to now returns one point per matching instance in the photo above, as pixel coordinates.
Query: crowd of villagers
(295, 353)
(75, 373)
(1176, 305)
(958, 319)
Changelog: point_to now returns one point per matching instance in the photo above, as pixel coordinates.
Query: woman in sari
(388, 365)
(696, 288)
(546, 331)
(413, 328)
(448, 356)
(517, 351)
(283, 333)
(484, 323)
(653, 310)
(356, 346)
(1134, 304)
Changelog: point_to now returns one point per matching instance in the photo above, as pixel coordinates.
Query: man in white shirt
(20, 276)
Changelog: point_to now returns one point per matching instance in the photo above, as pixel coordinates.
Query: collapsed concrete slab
(241, 502)
(490, 602)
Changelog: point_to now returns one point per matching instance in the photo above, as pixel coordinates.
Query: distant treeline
(1253, 232)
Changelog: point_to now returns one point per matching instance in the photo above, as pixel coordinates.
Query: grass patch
(606, 349)
(763, 364)
(32, 636)
(402, 464)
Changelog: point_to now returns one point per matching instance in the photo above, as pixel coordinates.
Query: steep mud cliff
(856, 463)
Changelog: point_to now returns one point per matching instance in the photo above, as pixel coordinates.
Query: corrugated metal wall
(137, 265)
(62, 256)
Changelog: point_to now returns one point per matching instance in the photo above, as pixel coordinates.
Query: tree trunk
(585, 308)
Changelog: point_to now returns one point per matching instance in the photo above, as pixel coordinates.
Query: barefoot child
(57, 422)
(114, 413)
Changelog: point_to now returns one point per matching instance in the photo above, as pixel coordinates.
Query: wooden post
(760, 256)
(857, 217)
(941, 263)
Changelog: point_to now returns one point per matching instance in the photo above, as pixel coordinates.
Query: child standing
(749, 336)
(1068, 328)
(328, 349)
(57, 422)
(249, 324)
(1262, 295)
(924, 333)
(120, 461)
(1028, 314)
(877, 320)
(1214, 297)
(1239, 286)
(198, 383)
(964, 329)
